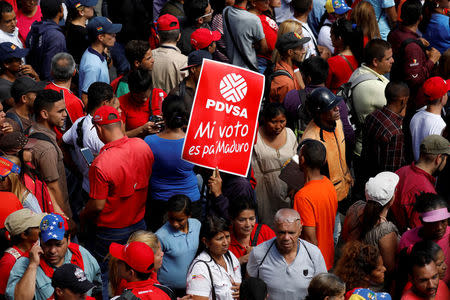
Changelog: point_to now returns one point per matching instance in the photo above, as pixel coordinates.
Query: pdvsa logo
(233, 87)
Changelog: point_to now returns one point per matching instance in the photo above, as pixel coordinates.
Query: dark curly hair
(357, 261)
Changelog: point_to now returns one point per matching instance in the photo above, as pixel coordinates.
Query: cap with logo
(381, 188)
(53, 227)
(137, 255)
(7, 167)
(70, 276)
(203, 37)
(101, 25)
(25, 85)
(366, 294)
(435, 88)
(167, 22)
(79, 3)
(290, 40)
(435, 144)
(339, 7)
(9, 50)
(196, 58)
(106, 115)
(22, 219)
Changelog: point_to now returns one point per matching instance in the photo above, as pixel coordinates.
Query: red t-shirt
(74, 105)
(145, 290)
(6, 264)
(442, 293)
(270, 29)
(137, 114)
(120, 174)
(264, 234)
(340, 71)
(317, 205)
(24, 22)
(10, 203)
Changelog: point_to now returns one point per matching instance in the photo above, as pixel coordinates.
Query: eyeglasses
(207, 15)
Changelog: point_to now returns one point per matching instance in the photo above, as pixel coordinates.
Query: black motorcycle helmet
(321, 100)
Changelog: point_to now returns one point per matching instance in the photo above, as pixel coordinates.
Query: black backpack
(270, 74)
(397, 72)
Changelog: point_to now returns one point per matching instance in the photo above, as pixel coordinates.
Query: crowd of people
(347, 194)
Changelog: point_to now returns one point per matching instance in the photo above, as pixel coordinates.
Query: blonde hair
(364, 16)
(17, 187)
(143, 236)
(285, 27)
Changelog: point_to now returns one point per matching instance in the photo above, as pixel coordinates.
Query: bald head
(286, 215)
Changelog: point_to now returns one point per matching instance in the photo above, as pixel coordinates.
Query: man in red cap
(136, 262)
(429, 121)
(198, 15)
(169, 61)
(205, 39)
(118, 178)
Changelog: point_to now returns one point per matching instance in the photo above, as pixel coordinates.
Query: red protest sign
(222, 127)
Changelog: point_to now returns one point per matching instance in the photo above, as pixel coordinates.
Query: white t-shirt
(422, 125)
(198, 281)
(90, 140)
(11, 37)
(311, 46)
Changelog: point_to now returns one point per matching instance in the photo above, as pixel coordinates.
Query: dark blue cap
(101, 25)
(195, 58)
(78, 3)
(9, 50)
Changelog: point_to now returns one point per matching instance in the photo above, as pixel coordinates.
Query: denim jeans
(100, 246)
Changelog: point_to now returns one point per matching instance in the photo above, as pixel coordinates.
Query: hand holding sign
(222, 126)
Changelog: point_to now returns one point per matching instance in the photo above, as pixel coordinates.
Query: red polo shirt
(413, 181)
(136, 114)
(74, 105)
(264, 234)
(120, 174)
(146, 290)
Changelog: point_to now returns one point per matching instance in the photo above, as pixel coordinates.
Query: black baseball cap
(71, 277)
(9, 50)
(25, 85)
(290, 40)
(195, 58)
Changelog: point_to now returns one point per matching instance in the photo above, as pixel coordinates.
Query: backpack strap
(265, 255)
(43, 137)
(127, 295)
(80, 134)
(15, 117)
(213, 289)
(244, 57)
(363, 77)
(348, 62)
(166, 290)
(280, 72)
(254, 240)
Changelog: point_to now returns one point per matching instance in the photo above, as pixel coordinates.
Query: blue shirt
(380, 14)
(179, 250)
(170, 174)
(93, 68)
(44, 287)
(438, 32)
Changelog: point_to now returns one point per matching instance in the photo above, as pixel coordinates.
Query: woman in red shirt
(245, 233)
(347, 43)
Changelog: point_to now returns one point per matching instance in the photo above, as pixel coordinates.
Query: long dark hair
(351, 36)
(370, 217)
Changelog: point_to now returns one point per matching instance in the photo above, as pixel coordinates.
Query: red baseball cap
(106, 115)
(137, 255)
(435, 88)
(203, 37)
(167, 22)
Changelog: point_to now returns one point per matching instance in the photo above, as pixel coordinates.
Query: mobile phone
(87, 155)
